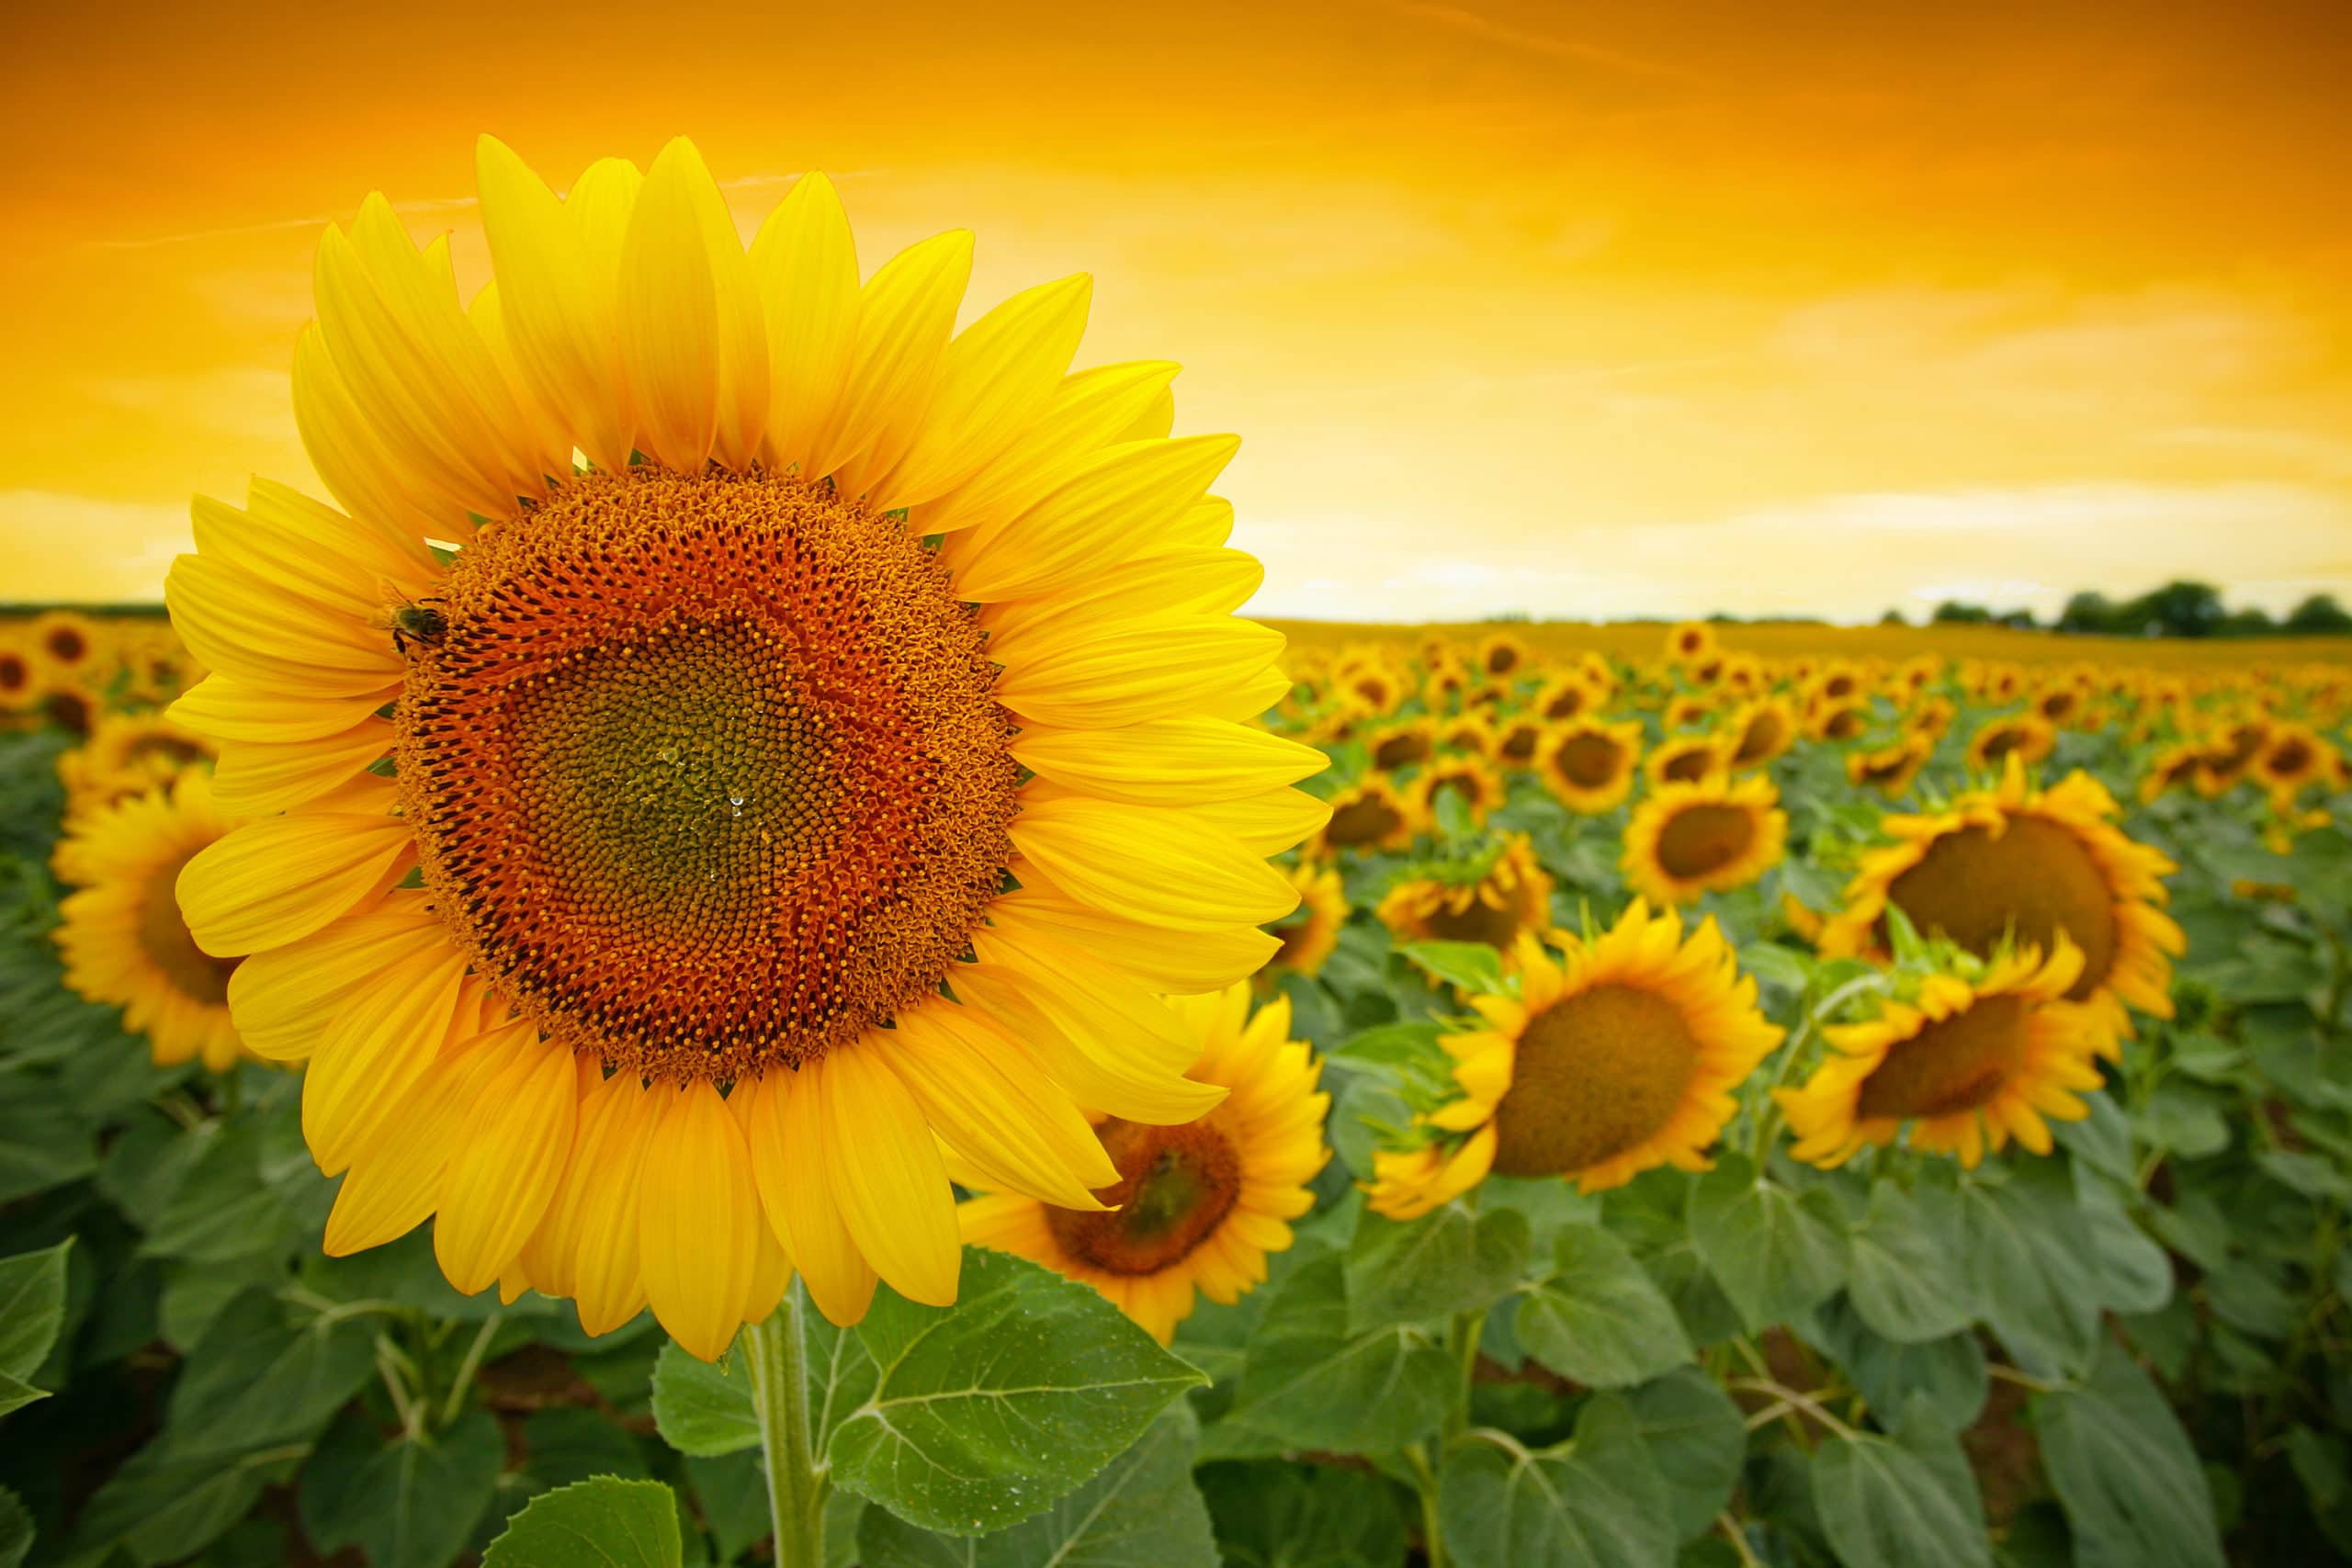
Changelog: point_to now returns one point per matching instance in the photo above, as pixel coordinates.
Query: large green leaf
(988, 1411)
(1775, 1252)
(267, 1374)
(2028, 1242)
(1596, 1501)
(409, 1503)
(1698, 1438)
(1904, 1500)
(164, 1506)
(219, 1206)
(2135, 1274)
(704, 1407)
(1278, 1515)
(1308, 1382)
(1599, 1319)
(1948, 1374)
(1907, 1272)
(602, 1523)
(32, 1310)
(44, 1143)
(1142, 1511)
(2125, 1471)
(1450, 1260)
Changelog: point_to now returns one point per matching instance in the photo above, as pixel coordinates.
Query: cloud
(86, 549)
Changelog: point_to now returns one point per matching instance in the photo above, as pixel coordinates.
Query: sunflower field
(1706, 1108)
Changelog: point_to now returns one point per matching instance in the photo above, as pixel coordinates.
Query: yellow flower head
(1588, 763)
(1688, 839)
(1760, 731)
(1194, 1209)
(2027, 736)
(834, 767)
(1311, 933)
(1890, 770)
(1371, 813)
(1617, 1055)
(1493, 900)
(1405, 743)
(1687, 759)
(1471, 777)
(127, 753)
(1968, 1065)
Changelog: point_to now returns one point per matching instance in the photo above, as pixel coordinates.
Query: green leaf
(602, 1523)
(409, 1503)
(985, 1412)
(2310, 1175)
(703, 1408)
(1594, 1502)
(1774, 1252)
(1697, 1437)
(1285, 1516)
(1907, 1273)
(2322, 1464)
(1598, 1320)
(2125, 1471)
(44, 1143)
(1471, 967)
(219, 1208)
(1782, 968)
(1450, 1260)
(164, 1506)
(733, 1493)
(33, 1309)
(263, 1375)
(2026, 1232)
(1906, 1500)
(2134, 1273)
(1948, 1375)
(1308, 1382)
(16, 1530)
(1142, 1511)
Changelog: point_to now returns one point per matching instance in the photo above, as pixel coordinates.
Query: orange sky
(1576, 311)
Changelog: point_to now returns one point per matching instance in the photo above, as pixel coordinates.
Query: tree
(2088, 612)
(2179, 608)
(2318, 615)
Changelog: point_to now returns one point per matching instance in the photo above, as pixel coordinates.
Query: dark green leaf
(2028, 1238)
(44, 1143)
(267, 1374)
(1308, 1382)
(1599, 1319)
(703, 1408)
(1948, 1374)
(1907, 1274)
(1902, 1501)
(1277, 1515)
(16, 1530)
(733, 1495)
(593, 1524)
(1471, 967)
(1697, 1437)
(1450, 1260)
(409, 1503)
(1774, 1252)
(1595, 1501)
(164, 1506)
(32, 1310)
(2125, 1471)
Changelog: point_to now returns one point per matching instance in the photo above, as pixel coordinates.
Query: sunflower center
(1700, 841)
(705, 771)
(2037, 878)
(1596, 1074)
(15, 673)
(164, 937)
(1844, 724)
(1518, 743)
(2002, 741)
(1688, 765)
(2290, 757)
(1566, 702)
(1365, 822)
(1958, 1063)
(1589, 761)
(1401, 749)
(1759, 740)
(67, 644)
(1176, 1184)
(1476, 921)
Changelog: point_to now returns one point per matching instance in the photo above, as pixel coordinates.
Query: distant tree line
(2177, 609)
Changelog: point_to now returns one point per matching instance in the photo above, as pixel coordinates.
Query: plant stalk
(776, 1353)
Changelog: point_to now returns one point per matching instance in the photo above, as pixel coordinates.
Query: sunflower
(1761, 731)
(831, 769)
(2027, 736)
(67, 644)
(1471, 734)
(127, 753)
(1687, 641)
(1686, 760)
(1890, 770)
(1588, 763)
(1371, 813)
(1968, 1065)
(1689, 711)
(1490, 899)
(1195, 1208)
(1310, 932)
(2291, 757)
(19, 675)
(1618, 1055)
(2176, 767)
(121, 936)
(1501, 657)
(2032, 864)
(1470, 777)
(1931, 718)
(1517, 741)
(1688, 839)
(1837, 721)
(1566, 696)
(1404, 744)
(2231, 752)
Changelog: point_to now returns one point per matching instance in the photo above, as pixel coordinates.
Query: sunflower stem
(776, 1352)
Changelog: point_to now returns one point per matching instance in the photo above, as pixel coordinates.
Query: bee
(415, 619)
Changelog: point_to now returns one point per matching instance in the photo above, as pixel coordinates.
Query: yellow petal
(229, 709)
(238, 625)
(511, 1152)
(894, 1195)
(1203, 581)
(1155, 863)
(357, 466)
(1267, 823)
(1115, 674)
(256, 776)
(1168, 761)
(1164, 960)
(277, 880)
(804, 264)
(373, 1052)
(905, 313)
(698, 1242)
(1116, 506)
(282, 998)
(787, 1124)
(1084, 1042)
(1086, 411)
(608, 1282)
(395, 1183)
(986, 1098)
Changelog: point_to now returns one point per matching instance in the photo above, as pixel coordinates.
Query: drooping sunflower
(1688, 839)
(1761, 731)
(127, 753)
(2013, 862)
(1309, 933)
(1890, 770)
(1194, 1209)
(2029, 736)
(1472, 778)
(1687, 759)
(1490, 899)
(1588, 764)
(831, 769)
(1371, 813)
(1967, 1066)
(1616, 1055)
(120, 934)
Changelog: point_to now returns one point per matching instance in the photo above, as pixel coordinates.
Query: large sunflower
(1588, 764)
(1195, 1208)
(121, 936)
(1684, 840)
(831, 768)
(1490, 899)
(1619, 1054)
(2029, 863)
(1968, 1065)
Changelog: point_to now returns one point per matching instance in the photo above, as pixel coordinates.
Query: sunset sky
(1575, 311)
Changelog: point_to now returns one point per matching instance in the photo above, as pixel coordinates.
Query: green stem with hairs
(776, 1352)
